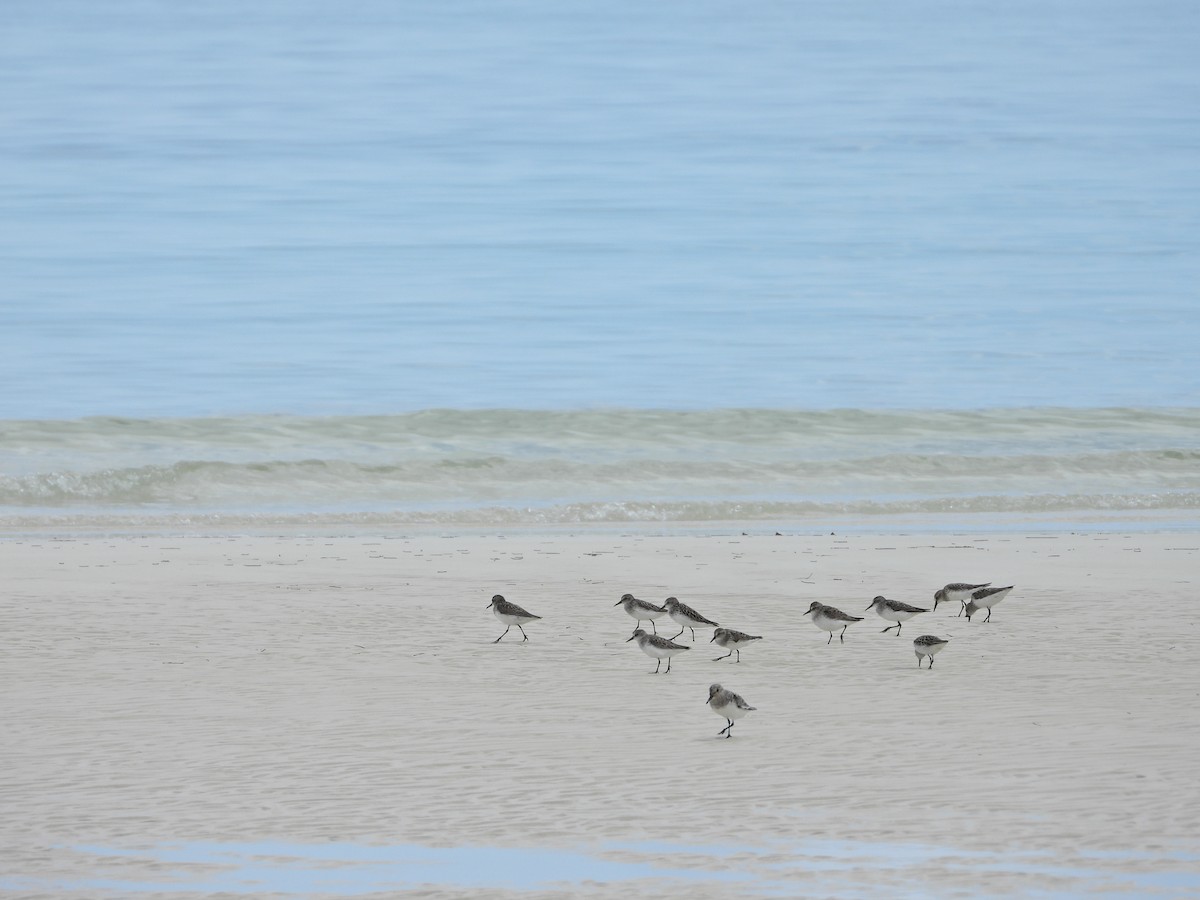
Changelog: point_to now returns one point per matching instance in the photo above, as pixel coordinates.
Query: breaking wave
(523, 467)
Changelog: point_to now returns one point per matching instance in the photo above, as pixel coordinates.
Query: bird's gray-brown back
(719, 697)
(982, 595)
(832, 612)
(657, 640)
(510, 609)
(928, 640)
(727, 636)
(898, 605)
(633, 604)
(677, 608)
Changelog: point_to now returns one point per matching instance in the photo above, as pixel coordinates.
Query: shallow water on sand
(841, 868)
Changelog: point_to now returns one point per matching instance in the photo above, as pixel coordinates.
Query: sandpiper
(734, 640)
(658, 647)
(956, 592)
(928, 645)
(894, 611)
(511, 614)
(985, 598)
(727, 704)
(685, 616)
(642, 610)
(827, 618)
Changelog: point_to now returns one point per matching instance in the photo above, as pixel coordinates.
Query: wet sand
(305, 715)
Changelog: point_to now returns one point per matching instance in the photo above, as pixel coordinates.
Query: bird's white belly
(730, 711)
(660, 652)
(828, 624)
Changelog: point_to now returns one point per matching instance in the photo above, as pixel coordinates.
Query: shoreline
(1173, 521)
(176, 690)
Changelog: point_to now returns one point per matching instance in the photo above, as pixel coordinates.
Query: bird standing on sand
(685, 616)
(657, 647)
(511, 614)
(956, 592)
(894, 611)
(642, 610)
(830, 619)
(727, 704)
(985, 598)
(928, 645)
(727, 637)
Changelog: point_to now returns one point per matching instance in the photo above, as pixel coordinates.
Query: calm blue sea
(238, 232)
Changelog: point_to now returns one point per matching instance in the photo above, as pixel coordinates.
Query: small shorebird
(642, 610)
(685, 616)
(727, 704)
(956, 592)
(827, 618)
(511, 614)
(928, 645)
(894, 611)
(734, 640)
(658, 647)
(985, 598)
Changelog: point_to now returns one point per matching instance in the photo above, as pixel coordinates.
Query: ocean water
(496, 468)
(524, 261)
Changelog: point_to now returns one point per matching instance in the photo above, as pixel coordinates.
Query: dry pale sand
(301, 715)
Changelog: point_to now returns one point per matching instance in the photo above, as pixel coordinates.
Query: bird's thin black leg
(739, 656)
(989, 616)
(726, 656)
(506, 630)
(677, 635)
(668, 672)
(693, 633)
(830, 641)
(931, 660)
(842, 636)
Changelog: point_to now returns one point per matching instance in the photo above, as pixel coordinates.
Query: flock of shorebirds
(724, 702)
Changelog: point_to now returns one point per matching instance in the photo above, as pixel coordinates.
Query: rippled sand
(196, 714)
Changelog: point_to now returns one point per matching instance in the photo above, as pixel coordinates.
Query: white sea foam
(507, 466)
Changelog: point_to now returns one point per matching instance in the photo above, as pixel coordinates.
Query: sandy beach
(291, 715)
